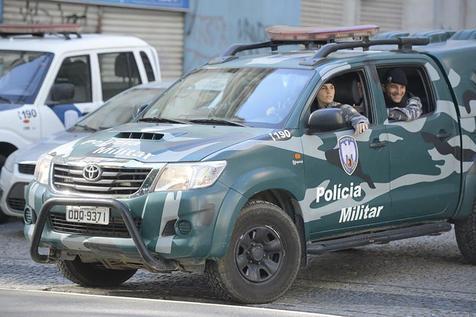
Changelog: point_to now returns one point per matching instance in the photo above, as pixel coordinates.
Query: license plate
(88, 214)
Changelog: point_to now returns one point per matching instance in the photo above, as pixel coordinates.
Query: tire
(3, 158)
(3, 217)
(263, 257)
(93, 274)
(465, 231)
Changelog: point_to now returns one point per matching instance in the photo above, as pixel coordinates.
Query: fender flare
(245, 187)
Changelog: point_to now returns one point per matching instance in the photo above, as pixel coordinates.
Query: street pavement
(423, 276)
(19, 303)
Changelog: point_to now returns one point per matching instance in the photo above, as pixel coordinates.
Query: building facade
(187, 33)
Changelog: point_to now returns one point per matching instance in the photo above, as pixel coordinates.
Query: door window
(73, 82)
(416, 85)
(118, 72)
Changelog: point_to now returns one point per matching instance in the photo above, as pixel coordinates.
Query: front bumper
(153, 264)
(13, 185)
(176, 228)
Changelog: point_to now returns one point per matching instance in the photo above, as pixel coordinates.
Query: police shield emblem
(348, 153)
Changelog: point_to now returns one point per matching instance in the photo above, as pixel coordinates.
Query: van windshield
(21, 75)
(258, 97)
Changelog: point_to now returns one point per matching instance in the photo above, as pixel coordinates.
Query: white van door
(70, 94)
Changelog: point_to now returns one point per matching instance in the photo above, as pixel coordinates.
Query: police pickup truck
(234, 172)
(51, 75)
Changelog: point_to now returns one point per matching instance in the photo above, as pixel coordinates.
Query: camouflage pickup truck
(238, 172)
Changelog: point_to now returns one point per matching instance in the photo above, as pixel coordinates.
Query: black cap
(396, 76)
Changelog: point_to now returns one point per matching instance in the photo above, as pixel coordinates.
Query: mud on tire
(263, 257)
(465, 231)
(93, 274)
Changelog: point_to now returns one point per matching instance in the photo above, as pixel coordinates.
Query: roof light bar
(311, 33)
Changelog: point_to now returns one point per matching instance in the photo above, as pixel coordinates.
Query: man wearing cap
(325, 99)
(401, 104)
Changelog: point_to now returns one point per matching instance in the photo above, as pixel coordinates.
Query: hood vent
(139, 135)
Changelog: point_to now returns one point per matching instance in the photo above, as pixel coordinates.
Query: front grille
(15, 197)
(26, 168)
(116, 227)
(113, 180)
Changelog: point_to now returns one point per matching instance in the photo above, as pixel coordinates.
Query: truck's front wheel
(93, 274)
(263, 257)
(465, 231)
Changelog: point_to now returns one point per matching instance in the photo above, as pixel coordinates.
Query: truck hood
(151, 142)
(32, 152)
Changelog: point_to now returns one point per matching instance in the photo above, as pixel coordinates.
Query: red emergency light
(312, 33)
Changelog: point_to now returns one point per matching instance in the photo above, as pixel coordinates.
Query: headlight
(184, 176)
(10, 162)
(42, 169)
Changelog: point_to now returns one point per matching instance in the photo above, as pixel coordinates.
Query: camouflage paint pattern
(416, 176)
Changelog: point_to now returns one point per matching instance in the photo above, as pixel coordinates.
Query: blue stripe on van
(60, 110)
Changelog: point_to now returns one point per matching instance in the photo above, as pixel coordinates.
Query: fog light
(27, 216)
(184, 226)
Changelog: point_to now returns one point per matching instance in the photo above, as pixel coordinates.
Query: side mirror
(62, 91)
(140, 109)
(328, 119)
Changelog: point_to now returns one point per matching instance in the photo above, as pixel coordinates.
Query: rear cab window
(419, 84)
(147, 66)
(119, 72)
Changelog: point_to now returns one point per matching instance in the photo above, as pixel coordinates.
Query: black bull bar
(152, 263)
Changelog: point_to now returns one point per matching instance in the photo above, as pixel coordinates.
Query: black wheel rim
(259, 254)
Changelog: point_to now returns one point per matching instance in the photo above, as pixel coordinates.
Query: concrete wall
(213, 25)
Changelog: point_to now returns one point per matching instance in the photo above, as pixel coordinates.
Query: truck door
(347, 174)
(70, 95)
(424, 169)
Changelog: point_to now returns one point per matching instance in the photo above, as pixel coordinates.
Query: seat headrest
(125, 66)
(347, 91)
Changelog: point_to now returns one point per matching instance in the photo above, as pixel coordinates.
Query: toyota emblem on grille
(92, 173)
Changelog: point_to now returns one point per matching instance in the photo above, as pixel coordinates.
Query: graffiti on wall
(213, 34)
(251, 31)
(35, 12)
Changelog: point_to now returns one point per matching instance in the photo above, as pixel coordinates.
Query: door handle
(376, 144)
(442, 135)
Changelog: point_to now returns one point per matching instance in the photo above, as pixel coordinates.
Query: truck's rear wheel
(263, 257)
(93, 274)
(465, 231)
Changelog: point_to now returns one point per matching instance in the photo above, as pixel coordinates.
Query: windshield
(119, 109)
(21, 75)
(260, 97)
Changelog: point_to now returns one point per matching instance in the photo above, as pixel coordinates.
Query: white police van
(51, 75)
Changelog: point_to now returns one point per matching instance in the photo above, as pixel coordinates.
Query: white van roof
(59, 44)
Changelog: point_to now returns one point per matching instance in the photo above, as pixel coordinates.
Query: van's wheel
(93, 274)
(465, 231)
(263, 257)
(3, 216)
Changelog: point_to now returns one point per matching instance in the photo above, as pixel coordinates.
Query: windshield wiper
(5, 99)
(219, 121)
(162, 119)
(86, 127)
